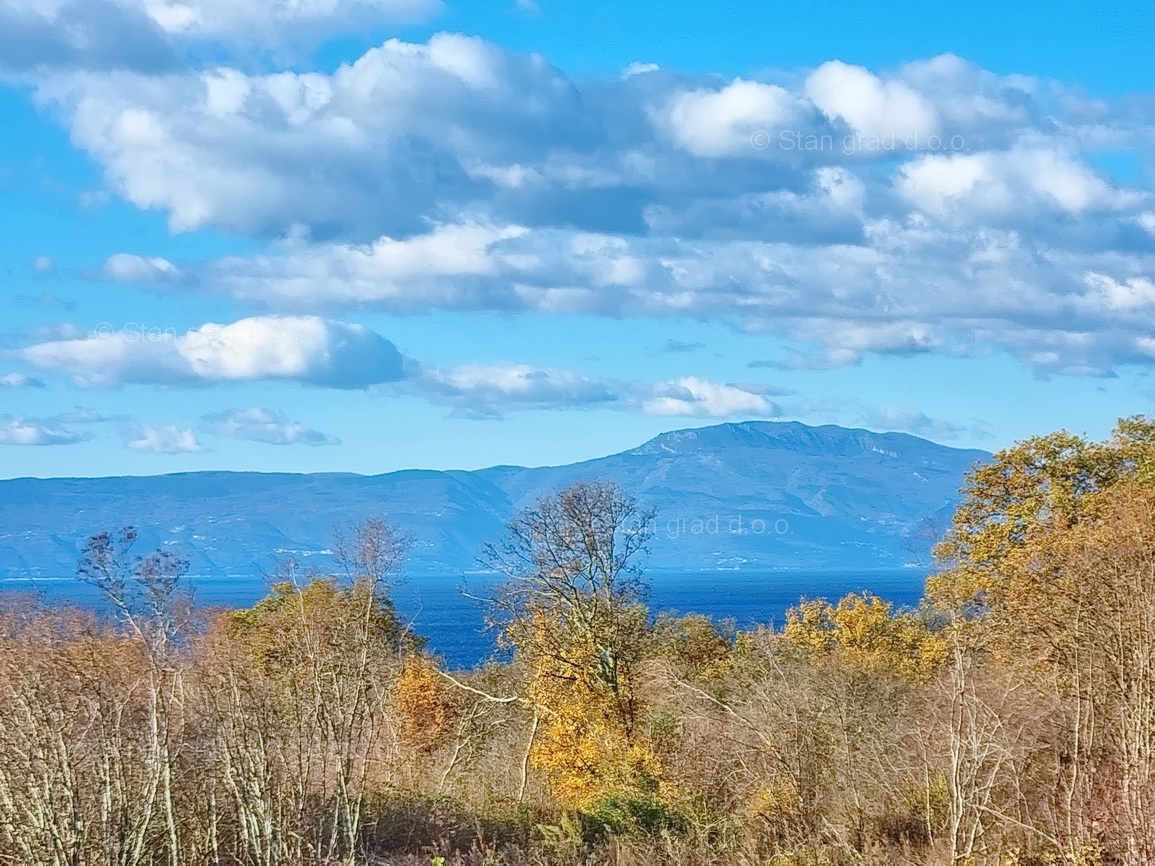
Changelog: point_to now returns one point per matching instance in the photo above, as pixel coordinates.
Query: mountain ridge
(743, 495)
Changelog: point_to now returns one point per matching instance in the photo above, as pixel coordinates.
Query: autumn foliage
(1009, 719)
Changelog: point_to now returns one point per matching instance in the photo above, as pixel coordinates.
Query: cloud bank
(152, 36)
(936, 207)
(304, 349)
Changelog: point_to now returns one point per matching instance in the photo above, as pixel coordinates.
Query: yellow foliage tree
(426, 706)
(572, 612)
(1081, 600)
(589, 743)
(1051, 565)
(1036, 487)
(865, 630)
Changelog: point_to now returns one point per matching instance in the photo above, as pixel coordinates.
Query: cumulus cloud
(373, 148)
(304, 349)
(491, 391)
(316, 351)
(935, 207)
(731, 121)
(442, 268)
(912, 286)
(869, 105)
(264, 425)
(90, 34)
(154, 35)
(694, 397)
(1008, 183)
(848, 342)
(410, 131)
(1134, 293)
(36, 431)
(162, 440)
(19, 380)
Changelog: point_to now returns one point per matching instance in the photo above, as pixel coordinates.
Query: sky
(367, 235)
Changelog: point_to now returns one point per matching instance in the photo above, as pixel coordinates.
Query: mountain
(750, 496)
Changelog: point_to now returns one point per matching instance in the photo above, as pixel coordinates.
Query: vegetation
(1008, 720)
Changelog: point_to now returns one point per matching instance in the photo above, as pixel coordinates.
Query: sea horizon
(454, 624)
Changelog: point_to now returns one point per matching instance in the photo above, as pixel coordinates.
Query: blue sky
(364, 235)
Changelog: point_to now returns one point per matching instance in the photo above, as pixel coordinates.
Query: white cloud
(1131, 294)
(380, 142)
(694, 397)
(456, 175)
(1007, 184)
(848, 341)
(93, 34)
(303, 349)
(19, 380)
(906, 286)
(127, 268)
(934, 183)
(36, 431)
(841, 187)
(871, 106)
(969, 99)
(489, 390)
(1146, 346)
(715, 123)
(423, 270)
(639, 68)
(264, 425)
(151, 35)
(162, 440)
(410, 133)
(247, 20)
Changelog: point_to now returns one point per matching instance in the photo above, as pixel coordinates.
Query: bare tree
(146, 591)
(574, 557)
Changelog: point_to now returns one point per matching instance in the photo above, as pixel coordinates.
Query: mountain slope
(774, 495)
(757, 495)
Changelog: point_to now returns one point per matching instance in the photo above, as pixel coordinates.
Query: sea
(448, 612)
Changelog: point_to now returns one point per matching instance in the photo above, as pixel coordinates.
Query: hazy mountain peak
(751, 495)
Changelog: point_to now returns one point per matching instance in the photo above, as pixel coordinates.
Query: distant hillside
(751, 496)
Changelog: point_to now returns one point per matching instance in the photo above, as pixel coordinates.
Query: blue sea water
(440, 607)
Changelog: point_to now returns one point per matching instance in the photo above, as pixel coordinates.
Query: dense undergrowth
(1008, 720)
